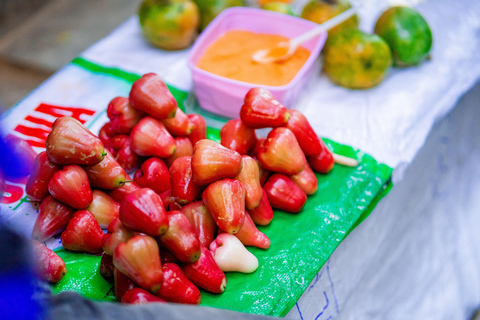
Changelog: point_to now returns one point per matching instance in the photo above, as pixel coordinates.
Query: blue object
(17, 282)
(11, 163)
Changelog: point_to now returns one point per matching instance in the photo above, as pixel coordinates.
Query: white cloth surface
(391, 121)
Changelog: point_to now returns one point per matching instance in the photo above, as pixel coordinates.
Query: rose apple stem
(346, 161)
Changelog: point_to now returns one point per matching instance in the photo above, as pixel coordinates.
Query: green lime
(279, 7)
(169, 24)
(356, 60)
(407, 33)
(320, 11)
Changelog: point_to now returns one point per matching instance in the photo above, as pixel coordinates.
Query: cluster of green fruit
(353, 59)
(359, 60)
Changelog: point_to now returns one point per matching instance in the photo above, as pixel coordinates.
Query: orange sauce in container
(230, 56)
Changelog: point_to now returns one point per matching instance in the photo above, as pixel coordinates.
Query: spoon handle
(323, 27)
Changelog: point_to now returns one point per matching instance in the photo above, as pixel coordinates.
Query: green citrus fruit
(320, 11)
(209, 9)
(407, 33)
(279, 7)
(169, 24)
(356, 60)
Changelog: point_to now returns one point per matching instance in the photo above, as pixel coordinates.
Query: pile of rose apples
(193, 204)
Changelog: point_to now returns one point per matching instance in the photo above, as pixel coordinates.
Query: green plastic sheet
(301, 243)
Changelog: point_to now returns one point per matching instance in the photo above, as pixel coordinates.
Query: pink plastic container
(225, 96)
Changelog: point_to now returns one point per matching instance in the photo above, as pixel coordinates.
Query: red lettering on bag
(41, 134)
(38, 133)
(58, 111)
(39, 121)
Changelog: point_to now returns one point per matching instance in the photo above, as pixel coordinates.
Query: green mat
(300, 243)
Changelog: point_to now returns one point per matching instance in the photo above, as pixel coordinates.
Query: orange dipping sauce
(230, 56)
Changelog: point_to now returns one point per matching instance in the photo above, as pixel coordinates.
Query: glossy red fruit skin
(258, 145)
(284, 194)
(201, 221)
(174, 205)
(236, 136)
(166, 256)
(108, 174)
(250, 178)
(83, 233)
(122, 284)
(47, 264)
(150, 138)
(281, 153)
(179, 125)
(199, 131)
(261, 110)
(322, 162)
(116, 234)
(211, 162)
(263, 213)
(118, 142)
(140, 296)
(153, 174)
(103, 207)
(167, 199)
(225, 200)
(123, 152)
(71, 186)
(127, 159)
(249, 235)
(105, 134)
(139, 260)
(37, 183)
(106, 267)
(303, 131)
(143, 211)
(205, 273)
(183, 148)
(264, 174)
(306, 180)
(180, 238)
(184, 188)
(123, 117)
(70, 142)
(120, 193)
(151, 95)
(53, 217)
(176, 287)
